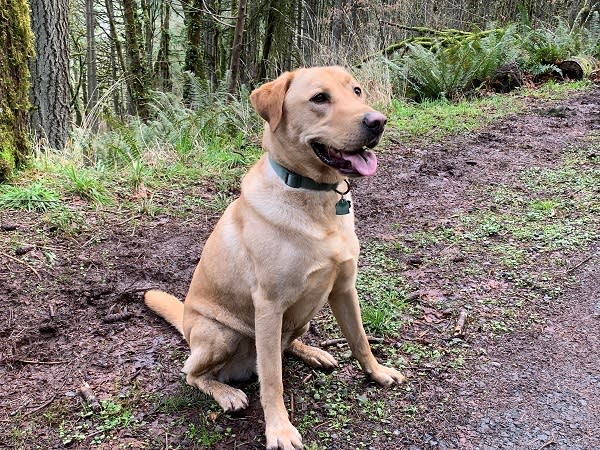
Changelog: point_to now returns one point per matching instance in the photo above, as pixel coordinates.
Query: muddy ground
(71, 313)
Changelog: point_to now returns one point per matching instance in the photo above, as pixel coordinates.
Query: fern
(544, 47)
(457, 70)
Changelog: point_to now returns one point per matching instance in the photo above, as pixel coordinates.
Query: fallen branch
(88, 395)
(117, 317)
(330, 342)
(460, 323)
(24, 263)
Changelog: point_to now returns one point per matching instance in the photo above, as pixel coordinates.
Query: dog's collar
(294, 180)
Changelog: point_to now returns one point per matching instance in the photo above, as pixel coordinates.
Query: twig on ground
(550, 442)
(127, 220)
(330, 342)
(42, 406)
(578, 265)
(460, 323)
(33, 361)
(30, 267)
(307, 377)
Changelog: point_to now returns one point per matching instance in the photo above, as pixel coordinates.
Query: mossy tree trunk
(137, 71)
(16, 47)
(50, 91)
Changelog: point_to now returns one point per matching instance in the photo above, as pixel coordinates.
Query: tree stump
(507, 77)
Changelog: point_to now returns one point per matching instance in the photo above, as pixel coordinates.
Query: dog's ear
(267, 100)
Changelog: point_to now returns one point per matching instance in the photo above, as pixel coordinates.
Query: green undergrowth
(189, 159)
(438, 119)
(382, 290)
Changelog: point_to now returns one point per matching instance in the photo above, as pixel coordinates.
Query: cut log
(578, 67)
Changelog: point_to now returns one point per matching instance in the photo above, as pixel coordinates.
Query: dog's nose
(374, 121)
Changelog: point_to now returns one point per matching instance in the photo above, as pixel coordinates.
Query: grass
(96, 426)
(557, 91)
(35, 196)
(438, 119)
(382, 290)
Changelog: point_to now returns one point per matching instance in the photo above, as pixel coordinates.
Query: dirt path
(541, 389)
(524, 375)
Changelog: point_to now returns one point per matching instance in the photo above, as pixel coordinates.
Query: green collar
(294, 180)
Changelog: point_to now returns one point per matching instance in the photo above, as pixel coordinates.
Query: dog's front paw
(386, 376)
(283, 436)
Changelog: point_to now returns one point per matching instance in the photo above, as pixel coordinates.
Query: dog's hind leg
(312, 356)
(213, 347)
(228, 397)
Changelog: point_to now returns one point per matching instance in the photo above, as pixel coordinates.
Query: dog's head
(319, 124)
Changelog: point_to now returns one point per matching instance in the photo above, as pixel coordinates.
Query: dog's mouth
(360, 162)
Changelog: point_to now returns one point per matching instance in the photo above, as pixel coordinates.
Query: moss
(16, 48)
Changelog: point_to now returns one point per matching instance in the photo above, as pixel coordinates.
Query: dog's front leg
(280, 433)
(346, 309)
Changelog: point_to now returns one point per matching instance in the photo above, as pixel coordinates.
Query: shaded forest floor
(501, 224)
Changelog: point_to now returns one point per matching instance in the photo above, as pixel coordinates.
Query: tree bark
(193, 21)
(268, 40)
(236, 48)
(137, 72)
(91, 66)
(162, 66)
(16, 47)
(50, 92)
(116, 40)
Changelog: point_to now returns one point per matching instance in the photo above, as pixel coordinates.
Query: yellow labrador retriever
(283, 249)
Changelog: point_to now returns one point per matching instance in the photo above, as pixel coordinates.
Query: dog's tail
(166, 306)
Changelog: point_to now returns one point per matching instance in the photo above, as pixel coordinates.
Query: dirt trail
(536, 388)
(540, 390)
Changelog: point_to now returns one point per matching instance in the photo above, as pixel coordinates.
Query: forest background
(110, 80)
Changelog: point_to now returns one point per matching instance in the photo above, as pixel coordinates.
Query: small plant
(201, 435)
(65, 220)
(33, 197)
(86, 184)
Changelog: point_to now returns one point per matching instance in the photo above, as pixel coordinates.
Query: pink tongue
(364, 162)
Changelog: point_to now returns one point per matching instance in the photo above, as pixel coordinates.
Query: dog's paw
(283, 436)
(312, 356)
(386, 376)
(231, 399)
(319, 359)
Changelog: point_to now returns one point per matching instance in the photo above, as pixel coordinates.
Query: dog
(283, 249)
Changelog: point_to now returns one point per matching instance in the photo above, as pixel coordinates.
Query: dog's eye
(320, 98)
(358, 91)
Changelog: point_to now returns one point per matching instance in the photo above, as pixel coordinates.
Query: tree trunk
(137, 71)
(162, 67)
(193, 21)
(91, 66)
(211, 44)
(236, 48)
(268, 40)
(16, 47)
(119, 51)
(50, 92)
(337, 26)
